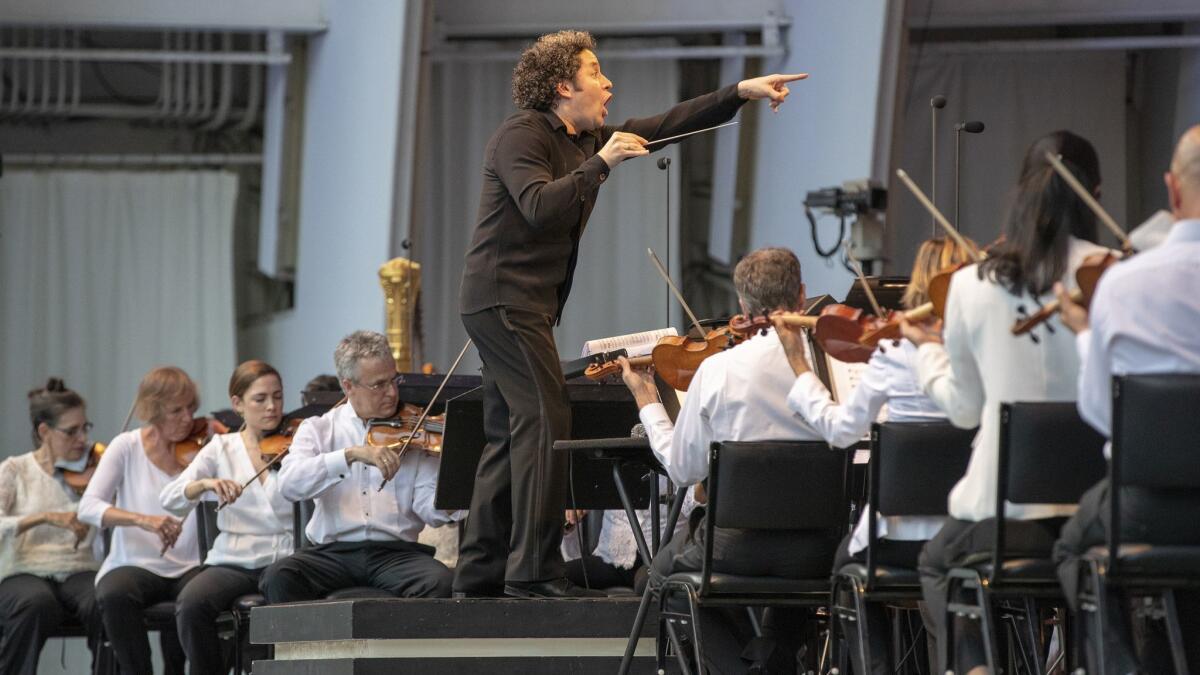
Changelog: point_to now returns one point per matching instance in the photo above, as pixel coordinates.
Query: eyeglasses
(77, 430)
(393, 382)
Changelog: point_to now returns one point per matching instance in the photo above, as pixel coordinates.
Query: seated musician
(363, 536)
(47, 567)
(1144, 319)
(254, 520)
(890, 378)
(737, 395)
(1048, 233)
(152, 554)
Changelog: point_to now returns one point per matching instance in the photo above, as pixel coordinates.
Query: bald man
(1137, 303)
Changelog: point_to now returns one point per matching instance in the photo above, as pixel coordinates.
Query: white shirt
(44, 550)
(1145, 318)
(737, 395)
(256, 530)
(349, 504)
(889, 378)
(982, 365)
(128, 480)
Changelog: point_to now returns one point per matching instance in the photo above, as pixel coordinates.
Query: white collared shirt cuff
(336, 465)
(1083, 343)
(653, 415)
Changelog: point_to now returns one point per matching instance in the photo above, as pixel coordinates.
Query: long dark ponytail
(1043, 215)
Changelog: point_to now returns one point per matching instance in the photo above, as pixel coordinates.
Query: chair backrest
(1048, 455)
(914, 465)
(302, 512)
(206, 527)
(777, 485)
(1155, 456)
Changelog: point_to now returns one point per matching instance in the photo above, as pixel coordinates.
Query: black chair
(1154, 470)
(773, 485)
(302, 512)
(234, 623)
(913, 468)
(1048, 455)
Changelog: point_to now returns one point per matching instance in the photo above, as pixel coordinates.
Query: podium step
(432, 637)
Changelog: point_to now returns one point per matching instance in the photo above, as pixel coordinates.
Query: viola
(393, 432)
(202, 430)
(78, 480)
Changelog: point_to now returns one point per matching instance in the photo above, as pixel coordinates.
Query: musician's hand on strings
(640, 383)
(621, 146)
(573, 517)
(922, 332)
(773, 87)
(227, 491)
(1073, 315)
(384, 459)
(792, 338)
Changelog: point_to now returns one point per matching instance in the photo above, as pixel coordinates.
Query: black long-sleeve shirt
(539, 187)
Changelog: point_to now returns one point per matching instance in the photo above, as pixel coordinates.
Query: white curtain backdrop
(615, 290)
(1019, 97)
(106, 274)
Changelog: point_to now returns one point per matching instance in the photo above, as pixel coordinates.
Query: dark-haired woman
(255, 523)
(46, 560)
(981, 364)
(152, 554)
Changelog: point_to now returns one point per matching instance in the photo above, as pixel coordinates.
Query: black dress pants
(957, 540)
(32, 607)
(205, 596)
(515, 525)
(123, 595)
(890, 553)
(404, 569)
(1131, 645)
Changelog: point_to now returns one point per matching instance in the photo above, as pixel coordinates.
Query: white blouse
(255, 529)
(45, 550)
(982, 364)
(890, 378)
(128, 480)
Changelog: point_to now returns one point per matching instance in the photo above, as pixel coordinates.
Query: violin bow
(425, 413)
(678, 296)
(1090, 200)
(862, 279)
(937, 215)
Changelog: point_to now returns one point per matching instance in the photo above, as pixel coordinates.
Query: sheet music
(843, 377)
(636, 344)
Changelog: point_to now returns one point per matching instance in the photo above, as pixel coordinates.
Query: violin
(202, 430)
(276, 444)
(1086, 278)
(393, 432)
(837, 329)
(78, 480)
(675, 358)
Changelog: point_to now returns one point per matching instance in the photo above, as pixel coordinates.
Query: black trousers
(727, 634)
(404, 569)
(516, 520)
(205, 596)
(1088, 528)
(891, 553)
(957, 540)
(32, 607)
(123, 594)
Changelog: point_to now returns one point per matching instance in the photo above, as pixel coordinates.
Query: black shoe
(554, 588)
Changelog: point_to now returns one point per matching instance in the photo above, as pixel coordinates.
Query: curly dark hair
(552, 59)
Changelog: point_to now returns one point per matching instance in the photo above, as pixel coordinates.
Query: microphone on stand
(935, 104)
(664, 164)
(974, 127)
